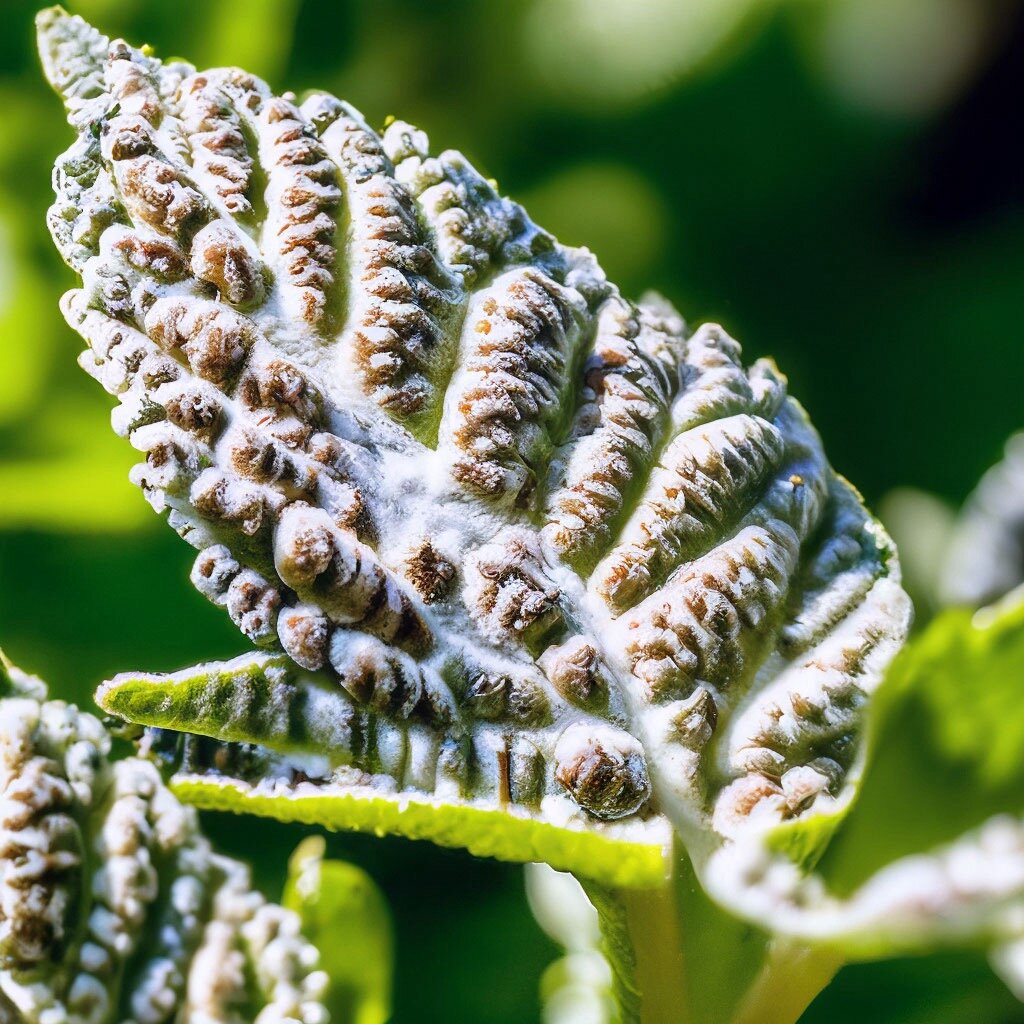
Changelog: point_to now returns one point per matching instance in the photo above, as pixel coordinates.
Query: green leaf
(949, 731)
(344, 914)
(289, 744)
(931, 852)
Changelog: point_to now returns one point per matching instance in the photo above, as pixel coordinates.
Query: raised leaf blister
(555, 574)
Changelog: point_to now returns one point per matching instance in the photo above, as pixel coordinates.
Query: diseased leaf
(276, 740)
(559, 571)
(113, 907)
(932, 852)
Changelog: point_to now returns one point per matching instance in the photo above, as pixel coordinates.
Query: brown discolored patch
(221, 258)
(429, 572)
(573, 670)
(603, 769)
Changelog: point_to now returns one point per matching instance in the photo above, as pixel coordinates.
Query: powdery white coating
(216, 135)
(109, 894)
(705, 475)
(485, 502)
(630, 379)
(506, 399)
(965, 891)
(402, 298)
(302, 196)
(476, 230)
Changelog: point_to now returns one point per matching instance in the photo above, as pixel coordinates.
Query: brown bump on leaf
(257, 457)
(213, 338)
(153, 190)
(252, 604)
(429, 572)
(216, 496)
(603, 769)
(573, 669)
(194, 410)
(221, 258)
(304, 632)
(507, 587)
(214, 569)
(163, 259)
(303, 546)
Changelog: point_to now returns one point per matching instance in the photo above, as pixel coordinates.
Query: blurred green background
(839, 182)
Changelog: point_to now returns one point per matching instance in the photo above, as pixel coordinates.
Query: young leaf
(565, 568)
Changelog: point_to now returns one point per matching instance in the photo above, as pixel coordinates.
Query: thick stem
(679, 958)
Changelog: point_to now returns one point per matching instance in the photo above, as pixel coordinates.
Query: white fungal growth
(527, 544)
(112, 904)
(604, 769)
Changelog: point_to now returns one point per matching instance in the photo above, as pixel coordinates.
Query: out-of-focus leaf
(986, 554)
(921, 525)
(344, 914)
(624, 53)
(577, 987)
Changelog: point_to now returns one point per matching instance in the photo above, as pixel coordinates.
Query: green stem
(792, 975)
(678, 958)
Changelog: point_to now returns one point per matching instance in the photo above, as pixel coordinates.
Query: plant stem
(791, 977)
(678, 958)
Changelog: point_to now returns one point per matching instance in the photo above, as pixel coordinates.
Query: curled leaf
(933, 851)
(552, 569)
